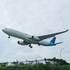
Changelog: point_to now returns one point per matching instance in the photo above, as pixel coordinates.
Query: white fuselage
(23, 36)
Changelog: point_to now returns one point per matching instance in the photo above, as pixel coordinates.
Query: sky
(34, 17)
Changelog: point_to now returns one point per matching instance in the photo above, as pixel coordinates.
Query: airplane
(30, 39)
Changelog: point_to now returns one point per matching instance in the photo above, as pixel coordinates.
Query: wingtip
(67, 30)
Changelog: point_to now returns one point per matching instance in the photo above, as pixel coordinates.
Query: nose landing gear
(30, 46)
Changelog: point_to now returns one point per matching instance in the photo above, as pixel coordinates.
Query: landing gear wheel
(30, 46)
(8, 36)
(38, 44)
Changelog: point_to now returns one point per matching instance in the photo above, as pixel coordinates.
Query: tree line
(50, 64)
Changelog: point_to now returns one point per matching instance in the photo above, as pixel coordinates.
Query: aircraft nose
(3, 30)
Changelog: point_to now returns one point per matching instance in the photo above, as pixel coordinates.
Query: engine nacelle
(35, 38)
(21, 43)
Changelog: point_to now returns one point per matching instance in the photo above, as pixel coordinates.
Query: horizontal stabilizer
(58, 43)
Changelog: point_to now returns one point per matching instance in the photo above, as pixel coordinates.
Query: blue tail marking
(53, 40)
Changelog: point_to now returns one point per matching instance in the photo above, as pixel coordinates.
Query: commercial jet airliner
(29, 39)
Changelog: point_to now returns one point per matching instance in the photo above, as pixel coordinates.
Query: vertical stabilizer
(53, 40)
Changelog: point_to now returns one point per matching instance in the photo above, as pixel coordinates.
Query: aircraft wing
(50, 35)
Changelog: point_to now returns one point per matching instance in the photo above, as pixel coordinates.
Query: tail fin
(53, 40)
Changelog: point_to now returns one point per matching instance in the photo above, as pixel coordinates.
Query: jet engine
(35, 38)
(21, 43)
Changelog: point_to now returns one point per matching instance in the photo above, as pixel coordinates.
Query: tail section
(53, 40)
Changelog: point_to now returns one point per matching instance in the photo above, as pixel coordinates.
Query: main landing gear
(30, 46)
(38, 44)
(8, 36)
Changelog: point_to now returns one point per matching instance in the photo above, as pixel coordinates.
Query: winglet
(67, 30)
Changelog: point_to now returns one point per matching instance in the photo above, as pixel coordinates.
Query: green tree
(40, 66)
(3, 64)
(58, 61)
(21, 63)
(15, 63)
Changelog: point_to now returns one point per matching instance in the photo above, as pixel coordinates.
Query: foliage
(2, 68)
(15, 63)
(58, 64)
(58, 61)
(39, 66)
(21, 63)
(3, 64)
